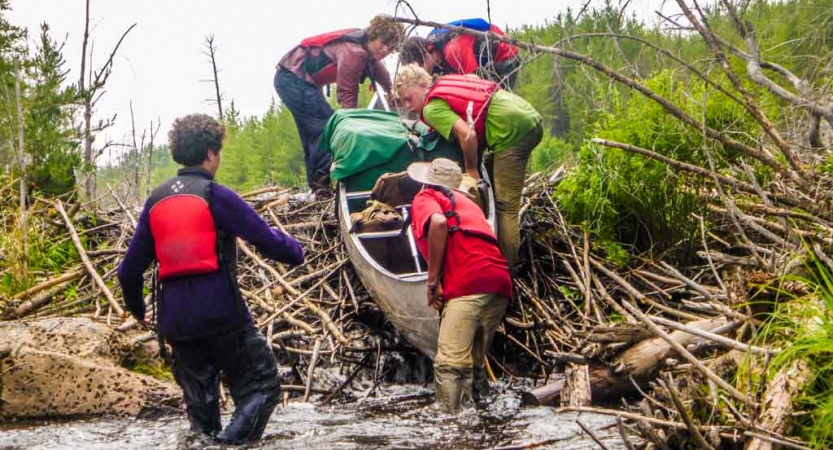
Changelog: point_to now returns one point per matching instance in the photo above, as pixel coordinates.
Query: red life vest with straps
(486, 51)
(465, 94)
(316, 63)
(466, 217)
(185, 237)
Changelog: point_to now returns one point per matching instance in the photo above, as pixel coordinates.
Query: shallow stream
(397, 417)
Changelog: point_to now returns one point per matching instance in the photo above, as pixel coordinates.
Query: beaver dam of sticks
(659, 346)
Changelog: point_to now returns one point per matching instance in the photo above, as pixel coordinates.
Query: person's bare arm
(468, 143)
(437, 237)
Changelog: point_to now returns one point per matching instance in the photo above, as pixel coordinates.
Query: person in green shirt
(483, 118)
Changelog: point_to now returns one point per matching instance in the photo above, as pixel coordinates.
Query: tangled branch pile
(316, 309)
(616, 331)
(725, 351)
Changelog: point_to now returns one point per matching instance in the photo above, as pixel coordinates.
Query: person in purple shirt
(188, 226)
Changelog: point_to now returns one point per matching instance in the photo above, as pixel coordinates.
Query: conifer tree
(51, 140)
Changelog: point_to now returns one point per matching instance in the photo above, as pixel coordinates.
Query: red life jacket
(460, 91)
(466, 217)
(486, 51)
(316, 63)
(185, 237)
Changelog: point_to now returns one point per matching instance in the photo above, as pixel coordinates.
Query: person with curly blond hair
(346, 58)
(189, 226)
(491, 124)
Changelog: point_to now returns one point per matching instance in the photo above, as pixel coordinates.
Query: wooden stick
(350, 290)
(588, 290)
(328, 322)
(620, 425)
(631, 416)
(325, 318)
(722, 340)
(688, 281)
(279, 189)
(311, 370)
(524, 347)
(592, 435)
(86, 260)
(356, 370)
(530, 445)
(638, 295)
(42, 299)
(669, 385)
(68, 276)
(125, 210)
(737, 395)
(771, 440)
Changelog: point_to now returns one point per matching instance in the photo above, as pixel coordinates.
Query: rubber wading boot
(453, 386)
(204, 418)
(249, 419)
(480, 388)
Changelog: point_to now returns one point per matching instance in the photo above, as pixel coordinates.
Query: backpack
(441, 36)
(315, 59)
(476, 24)
(348, 34)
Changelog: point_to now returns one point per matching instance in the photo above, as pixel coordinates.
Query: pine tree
(51, 140)
(11, 38)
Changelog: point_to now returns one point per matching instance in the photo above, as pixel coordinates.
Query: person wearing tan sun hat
(468, 279)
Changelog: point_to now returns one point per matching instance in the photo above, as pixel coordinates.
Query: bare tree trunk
(24, 226)
(212, 52)
(89, 185)
(153, 133)
(135, 159)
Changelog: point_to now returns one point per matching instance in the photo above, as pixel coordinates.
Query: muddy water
(397, 416)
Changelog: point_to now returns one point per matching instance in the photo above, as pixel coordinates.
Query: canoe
(397, 283)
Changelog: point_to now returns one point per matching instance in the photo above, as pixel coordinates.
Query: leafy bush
(46, 254)
(639, 202)
(550, 153)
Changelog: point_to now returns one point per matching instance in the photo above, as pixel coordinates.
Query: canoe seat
(392, 245)
(379, 234)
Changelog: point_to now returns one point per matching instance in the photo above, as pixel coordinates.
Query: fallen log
(41, 299)
(69, 276)
(641, 363)
(778, 399)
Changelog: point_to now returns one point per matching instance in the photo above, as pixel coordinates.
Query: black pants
(311, 111)
(249, 365)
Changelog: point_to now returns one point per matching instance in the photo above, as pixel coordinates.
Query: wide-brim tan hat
(439, 172)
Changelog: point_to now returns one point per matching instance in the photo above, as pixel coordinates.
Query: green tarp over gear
(359, 139)
(365, 144)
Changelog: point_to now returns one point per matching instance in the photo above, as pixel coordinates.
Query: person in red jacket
(468, 279)
(446, 52)
(481, 116)
(345, 57)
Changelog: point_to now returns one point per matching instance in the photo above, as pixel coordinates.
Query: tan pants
(509, 167)
(466, 331)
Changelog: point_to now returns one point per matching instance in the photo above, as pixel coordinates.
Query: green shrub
(638, 202)
(550, 153)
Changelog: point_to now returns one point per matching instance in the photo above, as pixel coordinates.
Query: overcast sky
(160, 65)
